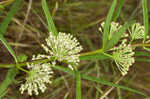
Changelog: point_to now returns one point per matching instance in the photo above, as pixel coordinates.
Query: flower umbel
(64, 47)
(123, 56)
(114, 27)
(39, 75)
(137, 31)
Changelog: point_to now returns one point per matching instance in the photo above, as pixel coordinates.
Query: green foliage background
(82, 19)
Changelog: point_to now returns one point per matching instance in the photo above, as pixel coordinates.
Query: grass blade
(101, 81)
(145, 14)
(11, 13)
(8, 80)
(142, 60)
(117, 12)
(97, 80)
(51, 26)
(140, 53)
(115, 38)
(119, 93)
(4, 25)
(107, 23)
(98, 56)
(9, 48)
(78, 85)
(6, 2)
(147, 49)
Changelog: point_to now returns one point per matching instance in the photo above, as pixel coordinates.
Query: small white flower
(137, 31)
(64, 47)
(39, 75)
(114, 27)
(123, 56)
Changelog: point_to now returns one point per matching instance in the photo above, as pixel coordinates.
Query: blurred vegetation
(81, 18)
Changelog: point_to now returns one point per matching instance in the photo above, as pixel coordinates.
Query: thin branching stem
(53, 58)
(141, 45)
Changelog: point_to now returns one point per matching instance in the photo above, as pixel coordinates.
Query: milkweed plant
(119, 45)
(66, 48)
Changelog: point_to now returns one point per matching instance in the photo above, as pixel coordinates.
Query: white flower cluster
(64, 47)
(39, 75)
(123, 56)
(137, 31)
(114, 27)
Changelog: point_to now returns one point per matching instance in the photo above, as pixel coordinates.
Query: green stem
(47, 60)
(141, 45)
(6, 65)
(108, 55)
(24, 63)
(92, 52)
(43, 60)
(20, 68)
(53, 58)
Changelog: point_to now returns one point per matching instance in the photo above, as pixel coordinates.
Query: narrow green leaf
(1, 11)
(101, 81)
(8, 80)
(51, 26)
(97, 80)
(117, 35)
(147, 49)
(1, 7)
(9, 48)
(141, 53)
(11, 13)
(66, 95)
(3, 26)
(6, 3)
(61, 68)
(107, 23)
(78, 85)
(117, 12)
(142, 59)
(145, 14)
(119, 93)
(98, 56)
